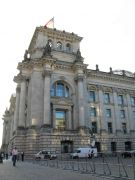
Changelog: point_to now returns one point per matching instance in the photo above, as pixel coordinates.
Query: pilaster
(22, 104)
(16, 114)
(116, 111)
(102, 122)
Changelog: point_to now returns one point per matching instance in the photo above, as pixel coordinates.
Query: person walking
(14, 155)
(22, 155)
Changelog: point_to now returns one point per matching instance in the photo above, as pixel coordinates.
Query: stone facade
(60, 104)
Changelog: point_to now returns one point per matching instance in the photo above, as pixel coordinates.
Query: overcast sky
(107, 28)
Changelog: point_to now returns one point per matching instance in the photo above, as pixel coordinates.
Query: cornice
(39, 63)
(110, 77)
(123, 91)
(78, 66)
(57, 34)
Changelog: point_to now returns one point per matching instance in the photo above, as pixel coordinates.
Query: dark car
(130, 153)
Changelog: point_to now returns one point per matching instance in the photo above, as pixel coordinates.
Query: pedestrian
(6, 155)
(14, 155)
(1, 158)
(22, 155)
(89, 155)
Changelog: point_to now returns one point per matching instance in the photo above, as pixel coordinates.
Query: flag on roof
(50, 23)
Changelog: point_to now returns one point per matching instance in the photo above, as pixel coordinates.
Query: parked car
(130, 153)
(45, 155)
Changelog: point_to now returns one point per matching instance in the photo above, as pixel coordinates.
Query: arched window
(68, 47)
(60, 89)
(59, 45)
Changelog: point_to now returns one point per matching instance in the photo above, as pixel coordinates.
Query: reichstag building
(61, 105)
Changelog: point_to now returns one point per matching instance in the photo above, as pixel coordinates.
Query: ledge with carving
(63, 67)
(61, 100)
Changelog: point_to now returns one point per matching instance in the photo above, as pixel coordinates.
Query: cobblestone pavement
(28, 171)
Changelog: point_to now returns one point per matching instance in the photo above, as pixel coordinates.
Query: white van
(84, 152)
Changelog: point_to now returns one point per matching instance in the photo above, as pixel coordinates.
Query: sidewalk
(29, 171)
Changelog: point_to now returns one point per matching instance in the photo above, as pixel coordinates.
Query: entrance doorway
(97, 145)
(66, 146)
(128, 145)
(113, 146)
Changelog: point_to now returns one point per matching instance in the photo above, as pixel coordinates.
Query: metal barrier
(108, 165)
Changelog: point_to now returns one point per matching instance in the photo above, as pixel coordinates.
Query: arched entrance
(66, 146)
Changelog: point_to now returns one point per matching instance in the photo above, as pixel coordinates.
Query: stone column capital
(79, 77)
(46, 73)
(20, 78)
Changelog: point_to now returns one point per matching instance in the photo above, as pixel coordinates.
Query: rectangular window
(92, 97)
(109, 127)
(94, 127)
(60, 117)
(133, 101)
(108, 113)
(120, 100)
(60, 90)
(106, 98)
(124, 128)
(122, 114)
(93, 112)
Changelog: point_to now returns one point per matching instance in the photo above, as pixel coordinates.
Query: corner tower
(50, 91)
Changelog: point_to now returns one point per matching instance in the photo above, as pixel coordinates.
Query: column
(28, 109)
(102, 122)
(116, 112)
(54, 119)
(7, 131)
(81, 101)
(36, 100)
(47, 121)
(11, 125)
(16, 115)
(130, 121)
(4, 133)
(69, 119)
(21, 122)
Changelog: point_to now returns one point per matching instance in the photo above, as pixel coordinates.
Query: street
(29, 171)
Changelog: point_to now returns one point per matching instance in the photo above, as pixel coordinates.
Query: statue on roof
(47, 50)
(26, 54)
(78, 56)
